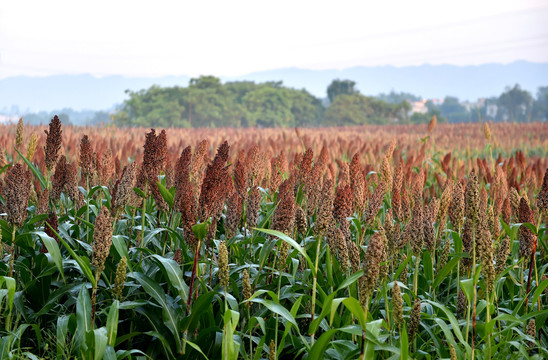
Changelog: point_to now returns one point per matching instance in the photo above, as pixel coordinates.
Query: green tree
(515, 104)
(397, 98)
(540, 106)
(340, 87)
(453, 110)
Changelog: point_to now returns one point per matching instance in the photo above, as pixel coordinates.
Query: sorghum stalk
(314, 282)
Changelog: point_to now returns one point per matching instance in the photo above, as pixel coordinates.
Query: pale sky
(232, 38)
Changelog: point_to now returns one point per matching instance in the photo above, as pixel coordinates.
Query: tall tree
(340, 87)
(516, 104)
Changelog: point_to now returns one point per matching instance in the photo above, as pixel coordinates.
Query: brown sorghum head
(542, 199)
(502, 254)
(472, 199)
(485, 252)
(416, 229)
(240, 179)
(357, 183)
(324, 212)
(342, 205)
(526, 236)
(462, 303)
(123, 193)
(371, 265)
(234, 208)
(532, 332)
(43, 202)
(374, 204)
(223, 265)
(86, 157)
(456, 210)
(53, 142)
(507, 211)
(216, 186)
(414, 320)
(301, 221)
(107, 168)
(102, 239)
(283, 218)
(16, 193)
(253, 207)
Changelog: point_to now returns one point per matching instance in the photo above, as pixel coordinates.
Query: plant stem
(416, 275)
(312, 311)
(12, 251)
(191, 288)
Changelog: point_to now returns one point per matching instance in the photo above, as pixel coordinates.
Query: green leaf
(540, 290)
(53, 249)
(445, 271)
(354, 306)
(197, 348)
(320, 345)
(10, 286)
(100, 342)
(404, 344)
(165, 194)
(278, 309)
(156, 292)
(61, 332)
(174, 274)
(83, 319)
(84, 266)
(200, 230)
(112, 323)
(291, 242)
(34, 170)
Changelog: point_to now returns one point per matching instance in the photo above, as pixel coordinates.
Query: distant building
(418, 107)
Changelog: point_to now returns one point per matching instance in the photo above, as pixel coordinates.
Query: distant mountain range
(31, 94)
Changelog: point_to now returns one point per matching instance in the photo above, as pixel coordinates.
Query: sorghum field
(392, 242)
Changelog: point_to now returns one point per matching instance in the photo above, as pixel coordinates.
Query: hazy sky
(230, 38)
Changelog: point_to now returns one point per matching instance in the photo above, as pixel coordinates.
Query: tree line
(207, 102)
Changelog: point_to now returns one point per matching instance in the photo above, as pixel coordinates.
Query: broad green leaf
(156, 292)
(291, 242)
(165, 194)
(83, 319)
(10, 286)
(61, 332)
(100, 342)
(320, 345)
(354, 306)
(53, 249)
(34, 170)
(112, 323)
(174, 274)
(278, 309)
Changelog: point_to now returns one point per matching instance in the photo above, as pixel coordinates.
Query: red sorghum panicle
(185, 202)
(253, 207)
(414, 320)
(526, 236)
(16, 193)
(86, 157)
(51, 226)
(102, 239)
(371, 266)
(43, 203)
(472, 200)
(240, 179)
(374, 204)
(123, 193)
(357, 183)
(53, 142)
(502, 254)
(542, 199)
(234, 208)
(456, 209)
